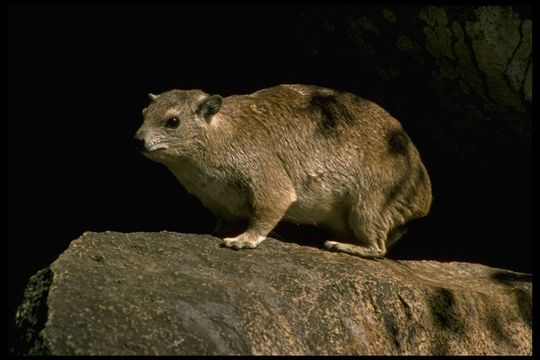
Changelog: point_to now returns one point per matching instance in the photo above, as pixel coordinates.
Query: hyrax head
(175, 123)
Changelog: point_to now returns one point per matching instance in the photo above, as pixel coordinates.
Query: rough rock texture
(170, 293)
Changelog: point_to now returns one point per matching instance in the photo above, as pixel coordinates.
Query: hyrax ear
(208, 107)
(152, 97)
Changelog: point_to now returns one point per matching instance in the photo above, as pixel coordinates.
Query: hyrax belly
(222, 197)
(320, 206)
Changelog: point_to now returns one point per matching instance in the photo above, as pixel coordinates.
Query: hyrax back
(304, 154)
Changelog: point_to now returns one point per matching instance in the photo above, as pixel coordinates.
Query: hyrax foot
(243, 241)
(363, 251)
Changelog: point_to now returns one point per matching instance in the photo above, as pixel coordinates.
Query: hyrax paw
(362, 251)
(242, 242)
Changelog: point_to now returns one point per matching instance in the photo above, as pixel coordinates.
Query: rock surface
(168, 293)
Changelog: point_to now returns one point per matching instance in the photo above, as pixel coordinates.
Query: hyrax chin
(299, 153)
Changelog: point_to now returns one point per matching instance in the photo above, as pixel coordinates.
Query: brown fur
(300, 153)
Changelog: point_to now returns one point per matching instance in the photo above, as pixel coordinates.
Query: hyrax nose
(139, 143)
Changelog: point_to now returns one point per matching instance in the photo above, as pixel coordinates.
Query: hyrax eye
(172, 123)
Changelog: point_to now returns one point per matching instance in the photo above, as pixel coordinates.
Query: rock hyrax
(299, 153)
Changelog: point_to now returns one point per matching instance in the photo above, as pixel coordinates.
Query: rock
(168, 293)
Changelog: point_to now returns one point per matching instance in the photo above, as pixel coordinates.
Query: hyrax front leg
(269, 202)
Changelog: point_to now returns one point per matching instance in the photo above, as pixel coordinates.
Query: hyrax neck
(211, 184)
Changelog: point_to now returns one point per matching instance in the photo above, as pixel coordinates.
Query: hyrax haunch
(299, 153)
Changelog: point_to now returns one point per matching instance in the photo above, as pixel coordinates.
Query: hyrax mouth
(155, 148)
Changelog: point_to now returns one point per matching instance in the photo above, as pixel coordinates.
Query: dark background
(79, 78)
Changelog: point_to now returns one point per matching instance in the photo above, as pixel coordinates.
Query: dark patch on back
(398, 142)
(331, 110)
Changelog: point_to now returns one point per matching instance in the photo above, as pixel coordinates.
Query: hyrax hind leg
(369, 229)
